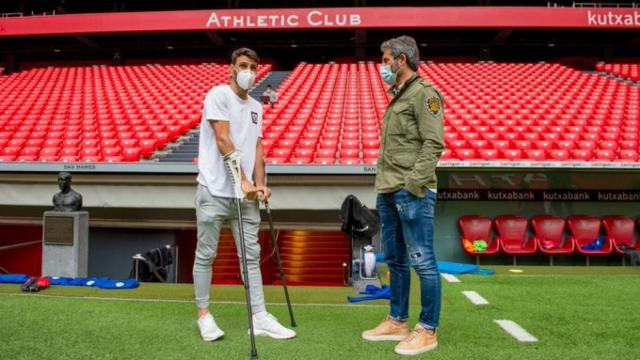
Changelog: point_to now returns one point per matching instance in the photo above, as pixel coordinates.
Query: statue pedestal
(65, 243)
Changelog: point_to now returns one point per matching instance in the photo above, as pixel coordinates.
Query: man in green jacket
(411, 144)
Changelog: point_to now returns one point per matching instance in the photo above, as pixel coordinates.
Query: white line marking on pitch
(516, 331)
(34, 296)
(475, 298)
(450, 278)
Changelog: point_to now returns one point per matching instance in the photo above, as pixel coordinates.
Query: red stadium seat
(31, 143)
(488, 154)
(19, 143)
(109, 143)
(522, 144)
(628, 155)
(544, 145)
(90, 158)
(549, 235)
(536, 155)
(113, 158)
(10, 151)
(604, 155)
(89, 152)
(349, 153)
(501, 144)
(27, 158)
(147, 146)
(558, 155)
(466, 154)
(68, 158)
(48, 158)
(370, 154)
(131, 154)
(512, 236)
(580, 154)
(474, 227)
(621, 231)
(584, 231)
(89, 143)
(349, 161)
(30, 151)
(7, 158)
(300, 160)
(326, 154)
(324, 161)
(512, 154)
(447, 154)
(52, 143)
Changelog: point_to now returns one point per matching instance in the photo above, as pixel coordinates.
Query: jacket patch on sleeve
(433, 105)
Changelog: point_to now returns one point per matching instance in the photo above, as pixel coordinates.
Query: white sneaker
(209, 330)
(265, 324)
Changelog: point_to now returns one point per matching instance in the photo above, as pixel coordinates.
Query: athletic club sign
(312, 18)
(394, 18)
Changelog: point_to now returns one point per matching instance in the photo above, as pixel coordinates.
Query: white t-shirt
(245, 123)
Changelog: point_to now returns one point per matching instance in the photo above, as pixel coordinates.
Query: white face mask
(245, 79)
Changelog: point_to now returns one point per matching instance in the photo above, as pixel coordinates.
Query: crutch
(232, 162)
(277, 250)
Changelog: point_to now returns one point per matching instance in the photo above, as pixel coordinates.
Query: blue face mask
(387, 74)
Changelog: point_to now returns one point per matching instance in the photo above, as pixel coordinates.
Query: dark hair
(403, 45)
(246, 52)
(269, 86)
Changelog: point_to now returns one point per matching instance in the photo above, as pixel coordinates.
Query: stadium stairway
(274, 78)
(185, 152)
(188, 151)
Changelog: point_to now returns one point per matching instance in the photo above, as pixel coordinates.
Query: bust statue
(66, 199)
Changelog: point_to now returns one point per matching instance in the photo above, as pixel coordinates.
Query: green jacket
(412, 139)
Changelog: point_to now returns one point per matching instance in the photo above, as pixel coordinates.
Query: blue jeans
(407, 236)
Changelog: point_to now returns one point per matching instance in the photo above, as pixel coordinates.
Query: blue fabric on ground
(13, 278)
(459, 269)
(452, 268)
(102, 283)
(118, 284)
(373, 293)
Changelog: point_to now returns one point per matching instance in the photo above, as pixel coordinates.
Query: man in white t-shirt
(231, 128)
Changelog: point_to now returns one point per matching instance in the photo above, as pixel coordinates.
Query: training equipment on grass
(361, 224)
(232, 164)
(369, 262)
(31, 285)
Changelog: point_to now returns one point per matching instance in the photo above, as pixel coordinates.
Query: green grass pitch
(575, 312)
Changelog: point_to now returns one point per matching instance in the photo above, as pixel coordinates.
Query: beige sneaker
(419, 341)
(387, 331)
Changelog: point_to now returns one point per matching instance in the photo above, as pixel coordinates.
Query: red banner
(325, 18)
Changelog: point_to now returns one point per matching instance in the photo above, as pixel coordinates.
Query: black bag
(152, 266)
(357, 220)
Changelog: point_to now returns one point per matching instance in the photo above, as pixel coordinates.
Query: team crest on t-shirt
(254, 117)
